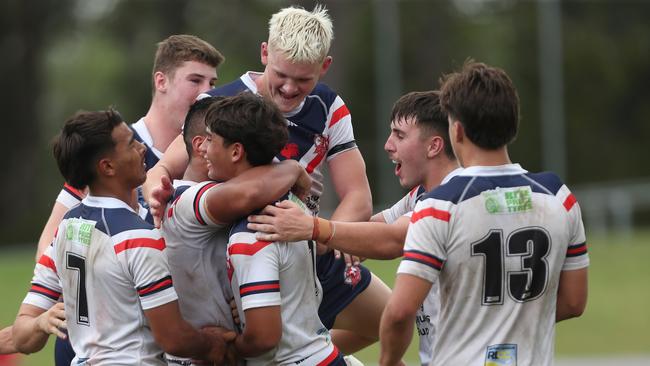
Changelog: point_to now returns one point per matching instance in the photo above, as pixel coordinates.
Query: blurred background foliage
(59, 56)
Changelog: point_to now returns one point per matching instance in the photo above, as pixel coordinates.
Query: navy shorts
(336, 293)
(63, 352)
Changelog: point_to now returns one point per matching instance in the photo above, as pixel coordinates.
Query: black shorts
(337, 294)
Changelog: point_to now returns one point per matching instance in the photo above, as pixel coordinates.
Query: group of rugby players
(244, 271)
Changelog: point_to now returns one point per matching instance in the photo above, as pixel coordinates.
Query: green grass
(616, 321)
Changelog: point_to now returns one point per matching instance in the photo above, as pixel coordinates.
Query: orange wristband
(316, 230)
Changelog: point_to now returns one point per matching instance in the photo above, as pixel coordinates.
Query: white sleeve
(339, 127)
(401, 207)
(576, 256)
(142, 253)
(45, 290)
(256, 266)
(69, 196)
(425, 246)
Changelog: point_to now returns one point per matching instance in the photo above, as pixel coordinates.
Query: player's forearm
(6, 341)
(356, 205)
(395, 333)
(367, 239)
(27, 336)
(185, 341)
(251, 345)
(172, 164)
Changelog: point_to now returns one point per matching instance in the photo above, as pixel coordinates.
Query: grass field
(616, 321)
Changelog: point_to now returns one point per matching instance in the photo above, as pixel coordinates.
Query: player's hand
(158, 199)
(53, 321)
(302, 186)
(234, 312)
(285, 221)
(219, 338)
(350, 260)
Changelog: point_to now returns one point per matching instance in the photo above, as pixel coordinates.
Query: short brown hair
(424, 108)
(485, 102)
(176, 49)
(84, 139)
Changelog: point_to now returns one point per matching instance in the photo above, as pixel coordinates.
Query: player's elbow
(390, 250)
(260, 343)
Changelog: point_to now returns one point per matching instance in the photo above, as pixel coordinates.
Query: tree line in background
(60, 56)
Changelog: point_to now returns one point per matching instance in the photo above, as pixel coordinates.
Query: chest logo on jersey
(79, 231)
(501, 354)
(321, 144)
(508, 200)
(290, 150)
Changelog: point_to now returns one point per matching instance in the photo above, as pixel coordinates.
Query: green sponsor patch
(508, 200)
(79, 231)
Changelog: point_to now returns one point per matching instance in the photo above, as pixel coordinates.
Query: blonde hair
(302, 36)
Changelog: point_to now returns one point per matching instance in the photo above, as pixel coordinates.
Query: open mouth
(398, 167)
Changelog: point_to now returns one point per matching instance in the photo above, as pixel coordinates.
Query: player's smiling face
(218, 157)
(289, 83)
(408, 151)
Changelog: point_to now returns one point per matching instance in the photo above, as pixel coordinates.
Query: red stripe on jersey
(569, 202)
(339, 114)
(314, 163)
(271, 287)
(47, 262)
(139, 243)
(430, 212)
(45, 291)
(423, 257)
(170, 212)
(413, 191)
(576, 250)
(167, 282)
(197, 199)
(328, 360)
(73, 191)
(246, 248)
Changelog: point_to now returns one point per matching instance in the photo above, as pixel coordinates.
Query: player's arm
(172, 165)
(262, 333)
(176, 336)
(253, 189)
(348, 172)
(58, 211)
(33, 326)
(287, 222)
(6, 341)
(571, 294)
(396, 329)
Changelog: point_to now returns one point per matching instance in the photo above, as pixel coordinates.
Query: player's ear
(196, 144)
(264, 53)
(160, 81)
(237, 152)
(325, 66)
(105, 167)
(435, 145)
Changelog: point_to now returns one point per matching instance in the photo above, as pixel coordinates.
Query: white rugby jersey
(280, 273)
(319, 129)
(110, 265)
(427, 314)
(496, 239)
(196, 250)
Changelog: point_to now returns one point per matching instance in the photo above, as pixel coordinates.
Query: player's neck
(111, 189)
(196, 170)
(260, 83)
(164, 123)
(436, 174)
(475, 156)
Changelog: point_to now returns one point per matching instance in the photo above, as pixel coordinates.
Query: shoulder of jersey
(324, 92)
(457, 188)
(109, 220)
(233, 88)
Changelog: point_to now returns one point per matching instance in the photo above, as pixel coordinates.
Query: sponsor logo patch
(79, 231)
(501, 354)
(508, 200)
